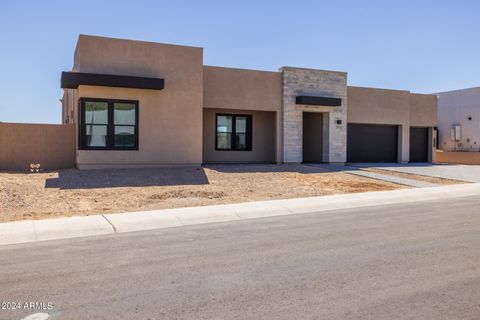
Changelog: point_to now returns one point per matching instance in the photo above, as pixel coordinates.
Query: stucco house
(459, 120)
(137, 104)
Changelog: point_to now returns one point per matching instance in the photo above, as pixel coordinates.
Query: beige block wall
(458, 157)
(51, 146)
(170, 120)
(263, 138)
(241, 89)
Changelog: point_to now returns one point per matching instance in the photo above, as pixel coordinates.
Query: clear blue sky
(422, 46)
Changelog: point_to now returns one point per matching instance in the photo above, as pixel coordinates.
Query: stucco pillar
(431, 144)
(404, 144)
(278, 137)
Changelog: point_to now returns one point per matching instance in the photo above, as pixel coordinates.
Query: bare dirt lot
(74, 192)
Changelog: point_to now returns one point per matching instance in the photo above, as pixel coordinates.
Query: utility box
(455, 133)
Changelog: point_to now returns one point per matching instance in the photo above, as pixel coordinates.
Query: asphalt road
(415, 261)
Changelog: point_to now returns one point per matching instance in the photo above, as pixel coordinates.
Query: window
(233, 132)
(108, 124)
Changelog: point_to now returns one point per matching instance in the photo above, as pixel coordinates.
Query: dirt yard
(74, 192)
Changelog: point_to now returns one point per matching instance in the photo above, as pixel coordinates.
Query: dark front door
(372, 143)
(312, 136)
(418, 144)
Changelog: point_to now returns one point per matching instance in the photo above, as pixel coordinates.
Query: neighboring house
(459, 120)
(139, 104)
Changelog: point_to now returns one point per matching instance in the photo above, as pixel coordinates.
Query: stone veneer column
(300, 81)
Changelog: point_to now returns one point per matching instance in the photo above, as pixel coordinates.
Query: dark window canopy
(319, 101)
(71, 80)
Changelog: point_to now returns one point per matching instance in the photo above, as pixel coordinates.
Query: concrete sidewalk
(459, 172)
(39, 230)
(357, 170)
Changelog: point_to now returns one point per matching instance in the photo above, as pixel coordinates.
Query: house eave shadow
(120, 178)
(267, 168)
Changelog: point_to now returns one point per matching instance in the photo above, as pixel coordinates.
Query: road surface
(408, 261)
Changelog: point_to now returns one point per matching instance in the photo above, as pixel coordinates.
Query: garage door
(372, 143)
(418, 144)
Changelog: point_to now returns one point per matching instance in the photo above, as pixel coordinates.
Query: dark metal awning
(319, 101)
(71, 80)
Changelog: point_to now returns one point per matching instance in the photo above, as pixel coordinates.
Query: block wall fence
(50, 145)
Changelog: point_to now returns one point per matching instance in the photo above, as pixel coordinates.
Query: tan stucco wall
(458, 157)
(241, 89)
(68, 105)
(170, 120)
(423, 110)
(263, 138)
(51, 146)
(65, 105)
(232, 88)
(370, 105)
(382, 106)
(423, 113)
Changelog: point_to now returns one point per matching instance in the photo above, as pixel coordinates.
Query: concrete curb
(39, 230)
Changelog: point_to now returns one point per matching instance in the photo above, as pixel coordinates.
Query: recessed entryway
(418, 144)
(238, 136)
(372, 143)
(312, 137)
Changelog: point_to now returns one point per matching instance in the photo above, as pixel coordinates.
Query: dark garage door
(418, 144)
(372, 143)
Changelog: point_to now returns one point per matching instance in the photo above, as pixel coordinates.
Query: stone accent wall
(300, 81)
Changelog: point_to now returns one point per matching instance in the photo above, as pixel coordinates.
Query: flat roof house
(139, 104)
(459, 120)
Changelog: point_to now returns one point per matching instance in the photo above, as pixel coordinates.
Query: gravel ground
(74, 192)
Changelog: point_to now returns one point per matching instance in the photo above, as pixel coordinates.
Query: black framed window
(107, 124)
(233, 132)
